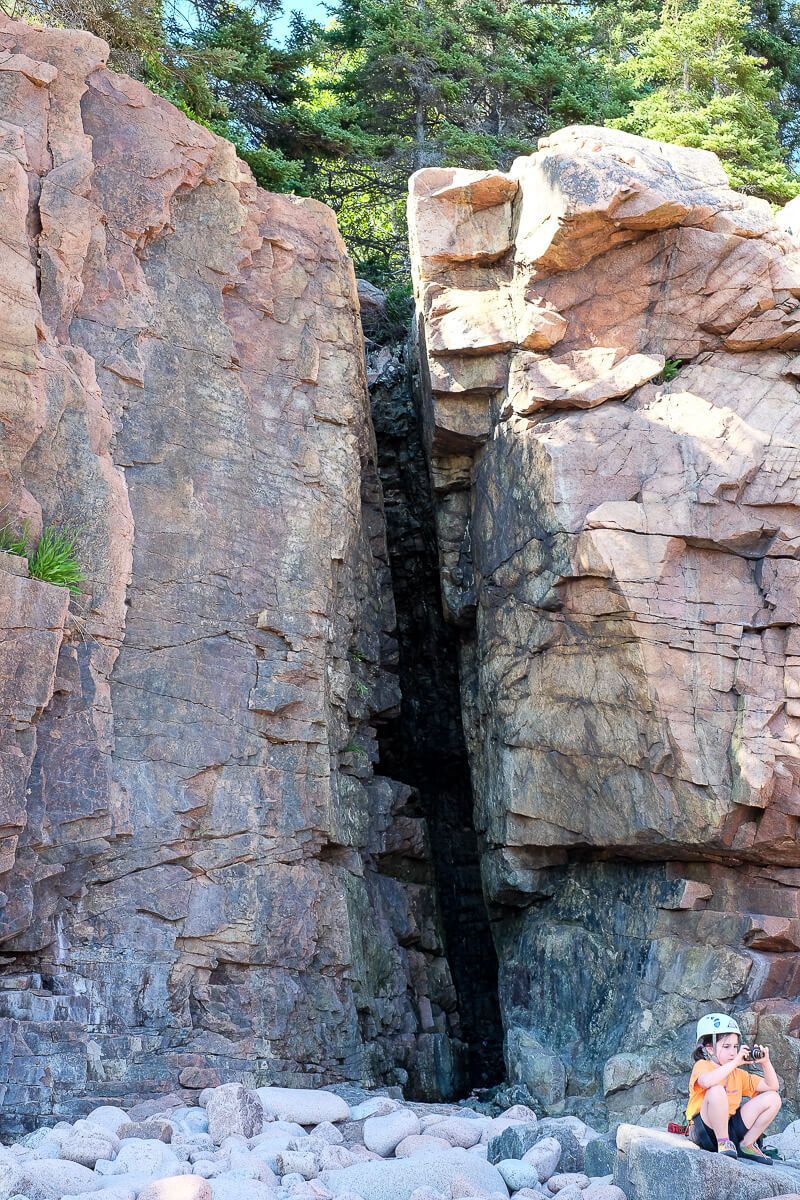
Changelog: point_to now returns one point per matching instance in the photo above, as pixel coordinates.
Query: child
(728, 1108)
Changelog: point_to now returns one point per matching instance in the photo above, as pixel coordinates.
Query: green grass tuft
(671, 368)
(16, 543)
(54, 559)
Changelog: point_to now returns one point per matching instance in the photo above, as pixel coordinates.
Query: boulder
(34, 1139)
(372, 304)
(142, 1156)
(193, 1142)
(420, 1143)
(557, 1183)
(108, 1116)
(153, 1128)
(513, 1142)
(396, 1179)
(304, 1106)
(462, 1132)
(519, 1174)
(50, 1180)
(362, 1153)
(427, 1119)
(46, 1149)
(223, 1188)
(520, 1112)
(268, 1149)
(296, 1162)
(788, 1141)
(583, 1132)
(545, 1156)
(652, 1165)
(208, 1168)
(331, 1158)
(10, 1177)
(120, 1191)
(86, 1146)
(158, 1106)
(382, 1134)
(532, 1064)
(327, 1132)
(234, 1142)
(481, 1151)
(234, 1109)
(375, 1106)
(563, 1129)
(600, 1155)
(194, 1120)
(177, 1187)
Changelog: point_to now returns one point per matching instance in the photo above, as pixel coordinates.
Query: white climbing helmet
(716, 1025)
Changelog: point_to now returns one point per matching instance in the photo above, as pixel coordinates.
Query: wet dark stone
(424, 747)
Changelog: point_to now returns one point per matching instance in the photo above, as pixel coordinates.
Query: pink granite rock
(618, 521)
(189, 805)
(234, 1109)
(177, 1187)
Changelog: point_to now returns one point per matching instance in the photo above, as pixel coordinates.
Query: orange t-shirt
(738, 1085)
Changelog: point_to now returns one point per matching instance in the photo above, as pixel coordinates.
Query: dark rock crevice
(424, 746)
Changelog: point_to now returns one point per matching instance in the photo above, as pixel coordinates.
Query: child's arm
(770, 1082)
(717, 1075)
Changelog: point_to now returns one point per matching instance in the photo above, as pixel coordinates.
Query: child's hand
(764, 1053)
(743, 1055)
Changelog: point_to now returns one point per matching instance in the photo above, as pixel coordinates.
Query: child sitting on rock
(728, 1108)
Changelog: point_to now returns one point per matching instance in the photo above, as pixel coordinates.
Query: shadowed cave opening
(424, 746)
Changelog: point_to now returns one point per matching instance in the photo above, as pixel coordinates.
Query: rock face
(203, 878)
(618, 538)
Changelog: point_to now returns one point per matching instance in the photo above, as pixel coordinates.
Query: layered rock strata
(610, 338)
(203, 877)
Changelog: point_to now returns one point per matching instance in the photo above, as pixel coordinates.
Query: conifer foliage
(349, 106)
(701, 87)
(417, 83)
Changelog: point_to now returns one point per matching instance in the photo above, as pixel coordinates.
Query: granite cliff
(610, 339)
(203, 878)
(260, 802)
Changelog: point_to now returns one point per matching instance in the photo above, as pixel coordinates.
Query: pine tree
(774, 34)
(701, 87)
(419, 83)
(242, 86)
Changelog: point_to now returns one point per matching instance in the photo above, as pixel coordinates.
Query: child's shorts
(703, 1135)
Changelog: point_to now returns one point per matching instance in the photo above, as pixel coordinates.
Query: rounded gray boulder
(396, 1179)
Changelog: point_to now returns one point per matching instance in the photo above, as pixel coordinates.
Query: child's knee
(716, 1093)
(775, 1100)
